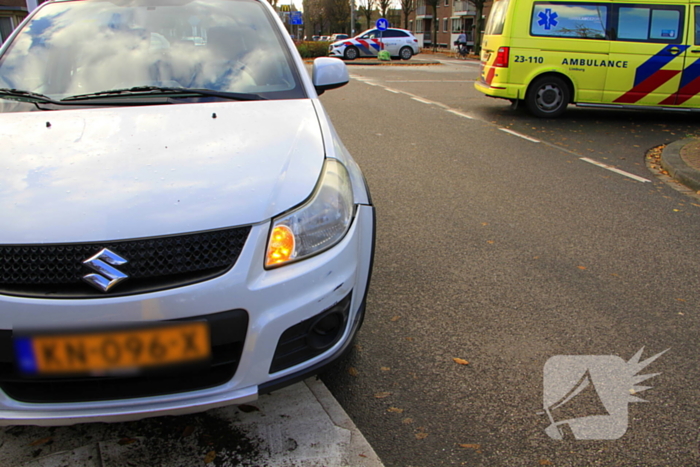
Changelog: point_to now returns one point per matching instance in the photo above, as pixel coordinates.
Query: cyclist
(461, 44)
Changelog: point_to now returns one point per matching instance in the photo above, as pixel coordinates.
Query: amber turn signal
(281, 246)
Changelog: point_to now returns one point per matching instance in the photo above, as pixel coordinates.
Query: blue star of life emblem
(548, 19)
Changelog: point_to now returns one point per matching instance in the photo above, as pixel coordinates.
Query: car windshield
(74, 48)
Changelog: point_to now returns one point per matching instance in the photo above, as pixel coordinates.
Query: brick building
(12, 12)
(451, 18)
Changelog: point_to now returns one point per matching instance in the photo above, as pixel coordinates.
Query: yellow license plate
(113, 351)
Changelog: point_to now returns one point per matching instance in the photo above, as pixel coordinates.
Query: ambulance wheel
(351, 53)
(547, 97)
(406, 53)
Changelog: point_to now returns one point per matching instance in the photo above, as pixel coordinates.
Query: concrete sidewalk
(682, 161)
(301, 425)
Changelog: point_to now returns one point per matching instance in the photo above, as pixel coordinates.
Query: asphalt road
(504, 252)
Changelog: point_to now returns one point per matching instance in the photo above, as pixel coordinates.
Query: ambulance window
(697, 25)
(664, 24)
(651, 24)
(497, 18)
(580, 20)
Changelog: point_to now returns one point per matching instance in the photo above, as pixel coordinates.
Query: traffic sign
(382, 24)
(297, 18)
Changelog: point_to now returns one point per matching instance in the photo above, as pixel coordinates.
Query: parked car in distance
(182, 227)
(337, 37)
(400, 43)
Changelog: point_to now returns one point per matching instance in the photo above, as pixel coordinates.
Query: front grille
(227, 331)
(56, 270)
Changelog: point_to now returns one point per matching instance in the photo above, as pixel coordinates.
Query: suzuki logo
(107, 276)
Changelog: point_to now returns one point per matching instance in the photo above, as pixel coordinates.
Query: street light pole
(352, 18)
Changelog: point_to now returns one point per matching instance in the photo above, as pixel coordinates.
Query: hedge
(313, 49)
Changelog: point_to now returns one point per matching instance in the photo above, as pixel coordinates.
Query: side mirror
(329, 73)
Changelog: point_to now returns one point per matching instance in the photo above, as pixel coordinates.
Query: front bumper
(275, 300)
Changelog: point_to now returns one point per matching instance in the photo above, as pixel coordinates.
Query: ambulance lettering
(595, 63)
(650, 76)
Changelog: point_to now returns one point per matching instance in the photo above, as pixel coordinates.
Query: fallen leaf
(353, 371)
(476, 447)
(362, 455)
(248, 408)
(486, 223)
(681, 313)
(407, 421)
(490, 242)
(187, 431)
(382, 395)
(209, 458)
(461, 361)
(421, 435)
(385, 368)
(395, 318)
(676, 210)
(126, 441)
(409, 339)
(545, 462)
(41, 441)
(394, 410)
(581, 267)
(680, 299)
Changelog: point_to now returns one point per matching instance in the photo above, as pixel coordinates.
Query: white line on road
(422, 100)
(613, 169)
(430, 81)
(393, 90)
(460, 114)
(519, 135)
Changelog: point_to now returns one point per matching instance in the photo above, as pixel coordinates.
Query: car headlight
(318, 224)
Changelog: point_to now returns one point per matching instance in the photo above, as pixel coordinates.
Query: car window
(372, 34)
(81, 47)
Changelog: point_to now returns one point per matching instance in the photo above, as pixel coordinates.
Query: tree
(384, 6)
(435, 22)
(407, 7)
(338, 14)
(366, 8)
(315, 16)
(479, 4)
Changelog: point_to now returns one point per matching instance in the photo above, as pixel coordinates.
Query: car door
(646, 54)
(368, 44)
(687, 95)
(392, 41)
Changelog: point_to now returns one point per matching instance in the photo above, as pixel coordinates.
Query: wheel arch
(552, 73)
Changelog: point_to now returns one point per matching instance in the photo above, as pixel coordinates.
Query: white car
(182, 228)
(400, 43)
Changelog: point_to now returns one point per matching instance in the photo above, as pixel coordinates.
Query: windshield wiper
(160, 91)
(26, 96)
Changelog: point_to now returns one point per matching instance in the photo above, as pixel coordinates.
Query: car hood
(130, 172)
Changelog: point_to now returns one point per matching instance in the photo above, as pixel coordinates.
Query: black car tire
(548, 97)
(351, 53)
(406, 53)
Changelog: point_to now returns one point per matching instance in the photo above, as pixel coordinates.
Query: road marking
(460, 114)
(506, 130)
(422, 100)
(519, 135)
(430, 81)
(613, 169)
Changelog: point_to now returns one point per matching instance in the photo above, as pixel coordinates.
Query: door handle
(696, 51)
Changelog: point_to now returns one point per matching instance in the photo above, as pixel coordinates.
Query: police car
(398, 42)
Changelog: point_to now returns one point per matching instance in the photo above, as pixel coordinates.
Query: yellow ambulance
(642, 54)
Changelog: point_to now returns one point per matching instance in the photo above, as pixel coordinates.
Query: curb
(672, 161)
